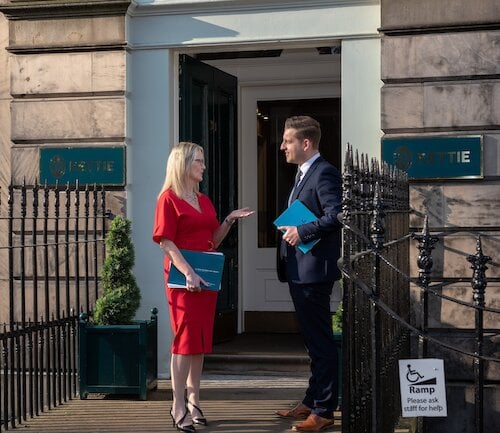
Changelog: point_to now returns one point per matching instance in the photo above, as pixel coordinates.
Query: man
(311, 276)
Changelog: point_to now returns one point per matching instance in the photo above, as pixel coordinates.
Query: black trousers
(312, 308)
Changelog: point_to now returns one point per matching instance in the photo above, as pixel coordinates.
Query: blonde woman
(186, 219)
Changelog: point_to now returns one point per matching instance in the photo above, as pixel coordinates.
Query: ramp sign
(422, 387)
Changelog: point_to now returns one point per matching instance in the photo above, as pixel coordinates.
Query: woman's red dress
(191, 313)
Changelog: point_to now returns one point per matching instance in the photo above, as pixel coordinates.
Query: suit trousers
(312, 308)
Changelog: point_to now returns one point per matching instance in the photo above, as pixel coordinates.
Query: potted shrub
(118, 355)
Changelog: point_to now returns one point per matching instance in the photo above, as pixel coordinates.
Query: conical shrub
(121, 295)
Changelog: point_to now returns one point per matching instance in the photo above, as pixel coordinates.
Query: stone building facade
(64, 81)
(441, 70)
(62, 84)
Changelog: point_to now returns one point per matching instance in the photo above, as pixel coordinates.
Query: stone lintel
(33, 10)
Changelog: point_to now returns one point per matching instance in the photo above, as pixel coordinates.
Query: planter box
(118, 359)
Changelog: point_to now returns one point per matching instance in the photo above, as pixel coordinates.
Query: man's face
(293, 147)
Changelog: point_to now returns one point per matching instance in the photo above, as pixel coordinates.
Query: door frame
(156, 34)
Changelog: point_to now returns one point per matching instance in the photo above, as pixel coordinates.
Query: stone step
(259, 353)
(257, 363)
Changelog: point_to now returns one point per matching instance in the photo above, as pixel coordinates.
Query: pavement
(246, 380)
(232, 404)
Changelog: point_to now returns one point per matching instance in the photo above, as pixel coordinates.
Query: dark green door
(207, 110)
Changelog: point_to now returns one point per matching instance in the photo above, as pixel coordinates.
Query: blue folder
(208, 266)
(295, 215)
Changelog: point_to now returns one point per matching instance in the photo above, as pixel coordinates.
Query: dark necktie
(297, 180)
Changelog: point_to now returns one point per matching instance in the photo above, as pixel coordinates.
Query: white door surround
(157, 31)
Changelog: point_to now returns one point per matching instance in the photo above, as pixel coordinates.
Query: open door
(207, 114)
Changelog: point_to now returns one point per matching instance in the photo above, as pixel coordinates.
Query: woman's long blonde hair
(179, 161)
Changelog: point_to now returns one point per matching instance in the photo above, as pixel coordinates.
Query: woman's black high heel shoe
(183, 428)
(199, 420)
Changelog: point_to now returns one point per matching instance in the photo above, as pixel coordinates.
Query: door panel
(207, 110)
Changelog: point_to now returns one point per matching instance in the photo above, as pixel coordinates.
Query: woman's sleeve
(165, 224)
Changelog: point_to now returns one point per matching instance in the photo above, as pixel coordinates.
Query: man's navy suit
(311, 276)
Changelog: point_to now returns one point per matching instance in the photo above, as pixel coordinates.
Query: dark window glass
(275, 175)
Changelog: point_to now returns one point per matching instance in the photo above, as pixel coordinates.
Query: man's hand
(290, 235)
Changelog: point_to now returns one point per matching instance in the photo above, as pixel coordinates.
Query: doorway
(260, 303)
(266, 304)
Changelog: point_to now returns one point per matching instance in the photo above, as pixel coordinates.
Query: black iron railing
(376, 321)
(375, 260)
(429, 291)
(52, 260)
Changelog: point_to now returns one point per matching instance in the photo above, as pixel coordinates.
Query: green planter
(118, 359)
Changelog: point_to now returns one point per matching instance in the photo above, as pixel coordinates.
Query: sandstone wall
(64, 87)
(441, 73)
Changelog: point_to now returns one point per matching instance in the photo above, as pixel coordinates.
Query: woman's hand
(224, 228)
(238, 214)
(194, 282)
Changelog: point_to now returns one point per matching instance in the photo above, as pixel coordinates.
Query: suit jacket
(321, 191)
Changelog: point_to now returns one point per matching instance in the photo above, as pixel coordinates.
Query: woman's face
(197, 167)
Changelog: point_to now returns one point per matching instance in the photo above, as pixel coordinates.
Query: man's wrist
(229, 221)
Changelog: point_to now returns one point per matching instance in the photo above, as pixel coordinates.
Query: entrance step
(259, 353)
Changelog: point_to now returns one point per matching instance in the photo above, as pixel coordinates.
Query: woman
(186, 219)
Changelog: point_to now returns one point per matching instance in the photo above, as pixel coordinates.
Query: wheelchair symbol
(413, 375)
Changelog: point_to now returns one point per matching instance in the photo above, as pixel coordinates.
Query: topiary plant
(121, 297)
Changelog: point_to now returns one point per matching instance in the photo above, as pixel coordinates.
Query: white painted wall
(361, 86)
(222, 22)
(149, 135)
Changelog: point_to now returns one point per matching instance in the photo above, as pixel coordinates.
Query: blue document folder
(208, 266)
(295, 215)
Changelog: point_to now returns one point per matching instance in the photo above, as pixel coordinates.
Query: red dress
(191, 313)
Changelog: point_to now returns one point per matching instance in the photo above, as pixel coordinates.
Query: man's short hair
(306, 127)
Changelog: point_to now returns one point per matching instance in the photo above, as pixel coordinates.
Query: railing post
(377, 232)
(77, 245)
(10, 236)
(5, 386)
(424, 262)
(34, 312)
(479, 283)
(86, 247)
(347, 295)
(11, 347)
